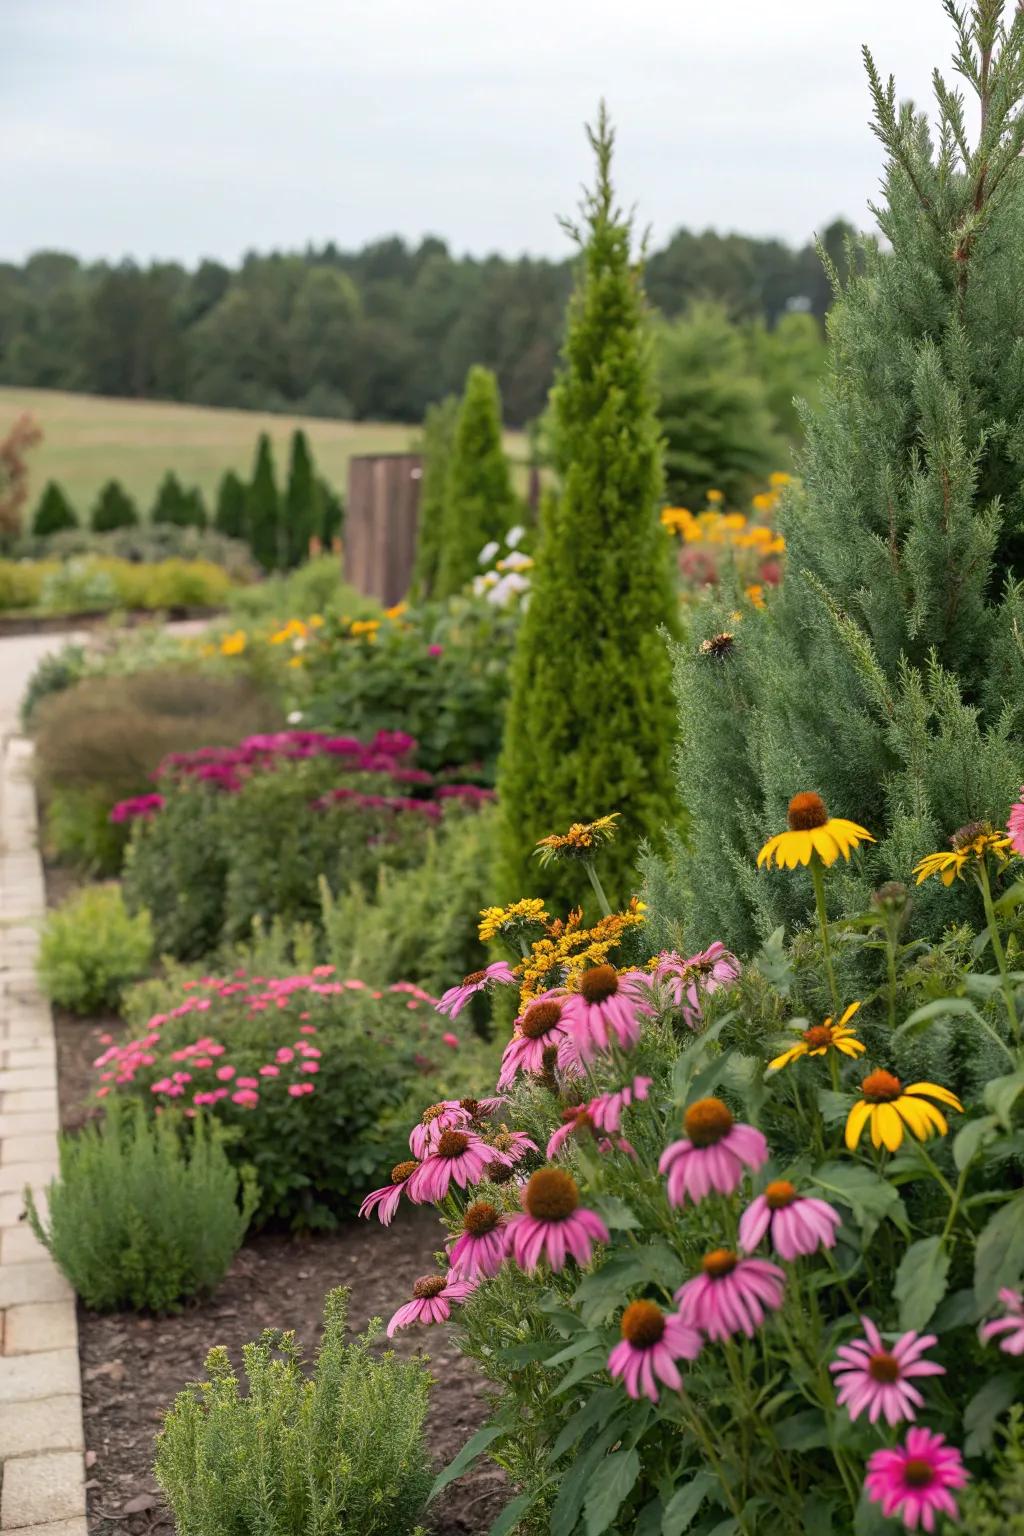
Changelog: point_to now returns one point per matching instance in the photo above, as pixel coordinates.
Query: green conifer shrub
(170, 505)
(194, 509)
(479, 501)
(54, 513)
(229, 517)
(589, 724)
(436, 448)
(263, 508)
(114, 509)
(303, 514)
(342, 1452)
(888, 674)
(332, 512)
(145, 1213)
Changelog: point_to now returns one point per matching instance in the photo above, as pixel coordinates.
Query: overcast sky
(186, 128)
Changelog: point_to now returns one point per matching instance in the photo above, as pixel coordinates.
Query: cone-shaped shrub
(171, 504)
(888, 675)
(263, 508)
(438, 435)
(229, 517)
(479, 502)
(114, 509)
(332, 512)
(303, 514)
(54, 513)
(589, 726)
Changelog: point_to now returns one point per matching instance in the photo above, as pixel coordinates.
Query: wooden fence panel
(381, 516)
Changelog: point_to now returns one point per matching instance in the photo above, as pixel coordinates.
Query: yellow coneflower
(822, 1038)
(812, 831)
(970, 844)
(234, 644)
(890, 1110)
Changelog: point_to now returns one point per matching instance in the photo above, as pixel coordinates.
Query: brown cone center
(401, 1171)
(452, 1143)
(818, 1037)
(480, 1218)
(779, 1193)
(551, 1195)
(643, 1324)
(707, 1121)
(883, 1367)
(428, 1286)
(540, 1020)
(881, 1087)
(918, 1473)
(806, 811)
(599, 983)
(473, 977)
(719, 1263)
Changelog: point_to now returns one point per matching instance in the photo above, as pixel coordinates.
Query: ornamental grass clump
(144, 1214)
(340, 1452)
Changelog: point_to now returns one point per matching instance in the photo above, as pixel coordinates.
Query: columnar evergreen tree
(263, 508)
(436, 447)
(54, 513)
(193, 514)
(888, 675)
(332, 509)
(589, 724)
(303, 514)
(479, 501)
(114, 509)
(170, 505)
(229, 517)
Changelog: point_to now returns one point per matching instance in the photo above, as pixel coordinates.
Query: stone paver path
(41, 1445)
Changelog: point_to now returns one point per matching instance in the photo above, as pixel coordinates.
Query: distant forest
(376, 334)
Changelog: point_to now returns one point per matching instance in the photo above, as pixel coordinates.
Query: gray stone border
(41, 1437)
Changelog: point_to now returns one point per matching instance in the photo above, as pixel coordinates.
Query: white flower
(488, 552)
(295, 717)
(515, 535)
(515, 562)
(506, 588)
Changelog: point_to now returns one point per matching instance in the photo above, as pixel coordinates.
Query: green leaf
(942, 1007)
(727, 1527)
(970, 1138)
(1013, 897)
(985, 1408)
(610, 1485)
(573, 1487)
(616, 1214)
(648, 1521)
(510, 1515)
(582, 1367)
(999, 1253)
(921, 1281)
(958, 1310)
(579, 1346)
(871, 1199)
(705, 1081)
(606, 1291)
(1001, 1095)
(594, 1414)
(774, 963)
(473, 1447)
(833, 1107)
(805, 1431)
(686, 1501)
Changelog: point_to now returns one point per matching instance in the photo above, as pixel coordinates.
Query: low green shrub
(145, 544)
(96, 583)
(79, 832)
(53, 674)
(315, 587)
(343, 1452)
(144, 1213)
(92, 948)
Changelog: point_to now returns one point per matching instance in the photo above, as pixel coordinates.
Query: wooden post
(381, 517)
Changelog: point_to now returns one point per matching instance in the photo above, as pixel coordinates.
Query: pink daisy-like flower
(449, 1115)
(480, 1250)
(606, 1109)
(1015, 825)
(798, 1224)
(605, 1010)
(576, 1121)
(912, 1481)
(512, 1145)
(551, 1223)
(870, 1376)
(688, 981)
(713, 1155)
(651, 1344)
(731, 1294)
(430, 1297)
(1011, 1325)
(459, 1157)
(541, 1028)
(385, 1200)
(455, 999)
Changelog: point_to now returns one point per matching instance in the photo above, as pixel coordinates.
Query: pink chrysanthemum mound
(551, 1224)
(913, 1481)
(870, 1376)
(713, 1155)
(652, 1341)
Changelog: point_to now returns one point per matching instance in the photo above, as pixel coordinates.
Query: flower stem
(595, 880)
(818, 879)
(890, 959)
(997, 946)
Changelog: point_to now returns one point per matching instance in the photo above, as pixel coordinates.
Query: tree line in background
(380, 333)
(280, 526)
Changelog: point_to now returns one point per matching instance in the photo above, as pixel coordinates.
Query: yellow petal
(851, 1046)
(768, 851)
(786, 1057)
(922, 1117)
(889, 1126)
(855, 1122)
(935, 1092)
(848, 1014)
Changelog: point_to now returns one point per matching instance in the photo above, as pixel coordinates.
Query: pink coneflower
(461, 1157)
(577, 1121)
(551, 1223)
(651, 1344)
(605, 1010)
(870, 1376)
(455, 999)
(606, 1109)
(1011, 1325)
(481, 1248)
(385, 1200)
(913, 1480)
(731, 1294)
(798, 1224)
(1015, 825)
(449, 1115)
(430, 1297)
(713, 1155)
(541, 1027)
(690, 980)
(512, 1145)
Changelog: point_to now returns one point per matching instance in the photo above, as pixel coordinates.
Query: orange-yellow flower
(812, 831)
(822, 1038)
(890, 1110)
(970, 843)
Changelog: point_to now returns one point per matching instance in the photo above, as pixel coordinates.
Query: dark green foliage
(303, 513)
(176, 869)
(79, 832)
(436, 448)
(55, 672)
(589, 724)
(54, 512)
(343, 1452)
(263, 508)
(170, 503)
(888, 674)
(333, 510)
(229, 517)
(145, 1213)
(715, 417)
(479, 503)
(995, 1506)
(194, 512)
(114, 509)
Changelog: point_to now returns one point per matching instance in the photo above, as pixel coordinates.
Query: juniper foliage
(438, 435)
(54, 512)
(114, 509)
(479, 502)
(303, 513)
(263, 508)
(342, 1452)
(229, 517)
(171, 504)
(889, 673)
(589, 725)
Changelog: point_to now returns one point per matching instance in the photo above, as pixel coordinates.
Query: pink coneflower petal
(730, 1295)
(1009, 1329)
(713, 1155)
(798, 1225)
(431, 1298)
(606, 1011)
(551, 1223)
(875, 1379)
(455, 999)
(912, 1482)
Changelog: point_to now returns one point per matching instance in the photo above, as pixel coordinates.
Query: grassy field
(88, 439)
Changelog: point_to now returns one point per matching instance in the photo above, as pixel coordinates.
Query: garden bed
(28, 623)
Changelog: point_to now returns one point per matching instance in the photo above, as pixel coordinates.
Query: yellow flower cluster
(500, 922)
(733, 529)
(568, 949)
(580, 840)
